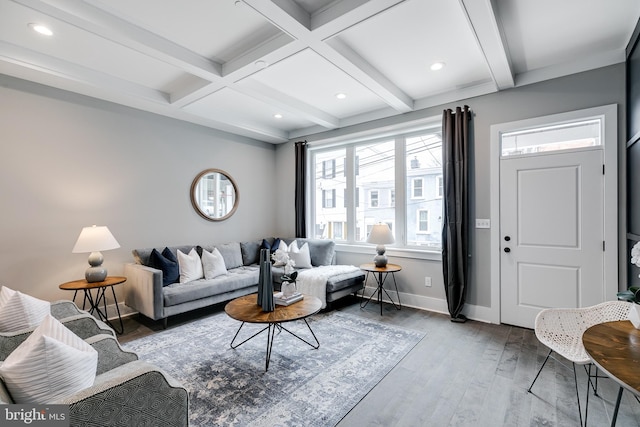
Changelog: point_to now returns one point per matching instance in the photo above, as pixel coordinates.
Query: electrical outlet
(483, 223)
(427, 281)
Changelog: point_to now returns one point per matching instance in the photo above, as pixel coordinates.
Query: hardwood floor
(470, 374)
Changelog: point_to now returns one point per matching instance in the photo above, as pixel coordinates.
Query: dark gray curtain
(455, 226)
(301, 191)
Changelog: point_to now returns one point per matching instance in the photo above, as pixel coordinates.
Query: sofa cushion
(250, 252)
(300, 256)
(272, 244)
(237, 278)
(231, 254)
(213, 264)
(167, 262)
(142, 256)
(190, 266)
(344, 280)
(322, 251)
(21, 311)
(50, 364)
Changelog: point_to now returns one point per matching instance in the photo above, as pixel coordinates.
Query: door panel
(551, 211)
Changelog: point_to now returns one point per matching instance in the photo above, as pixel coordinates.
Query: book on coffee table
(280, 299)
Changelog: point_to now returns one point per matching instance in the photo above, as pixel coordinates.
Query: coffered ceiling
(272, 69)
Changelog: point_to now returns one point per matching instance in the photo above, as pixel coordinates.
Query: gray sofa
(144, 290)
(126, 391)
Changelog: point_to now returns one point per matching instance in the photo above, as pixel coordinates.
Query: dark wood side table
(94, 302)
(247, 310)
(380, 274)
(614, 347)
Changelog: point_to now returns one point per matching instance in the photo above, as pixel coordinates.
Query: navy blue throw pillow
(167, 262)
(271, 246)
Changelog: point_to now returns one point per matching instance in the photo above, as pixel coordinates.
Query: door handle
(507, 250)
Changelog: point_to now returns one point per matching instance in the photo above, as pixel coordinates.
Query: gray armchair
(126, 391)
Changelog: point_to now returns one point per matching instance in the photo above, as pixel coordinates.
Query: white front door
(551, 233)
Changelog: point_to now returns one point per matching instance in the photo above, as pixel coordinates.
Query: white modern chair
(561, 330)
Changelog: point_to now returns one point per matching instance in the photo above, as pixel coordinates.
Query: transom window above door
(556, 137)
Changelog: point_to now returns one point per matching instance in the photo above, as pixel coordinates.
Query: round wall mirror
(214, 195)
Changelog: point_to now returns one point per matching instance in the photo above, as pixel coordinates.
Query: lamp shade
(380, 234)
(95, 239)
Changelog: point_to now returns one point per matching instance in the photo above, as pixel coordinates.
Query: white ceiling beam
(110, 27)
(291, 19)
(345, 58)
(489, 34)
(284, 102)
(344, 14)
(271, 51)
(76, 73)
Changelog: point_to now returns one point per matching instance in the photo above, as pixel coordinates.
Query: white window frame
(342, 138)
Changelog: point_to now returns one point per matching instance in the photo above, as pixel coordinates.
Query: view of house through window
(363, 177)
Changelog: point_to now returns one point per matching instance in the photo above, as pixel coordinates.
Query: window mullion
(351, 193)
(400, 186)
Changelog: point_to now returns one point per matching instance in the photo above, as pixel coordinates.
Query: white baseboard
(125, 311)
(473, 312)
(437, 305)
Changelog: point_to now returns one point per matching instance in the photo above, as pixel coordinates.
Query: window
(439, 186)
(424, 195)
(337, 229)
(329, 198)
(373, 198)
(565, 136)
(423, 221)
(416, 185)
(388, 172)
(329, 169)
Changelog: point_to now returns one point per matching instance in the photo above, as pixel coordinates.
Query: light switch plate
(483, 223)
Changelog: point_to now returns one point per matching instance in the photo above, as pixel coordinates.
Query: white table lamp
(380, 235)
(95, 239)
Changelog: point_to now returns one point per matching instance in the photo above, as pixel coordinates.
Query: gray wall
(589, 89)
(69, 161)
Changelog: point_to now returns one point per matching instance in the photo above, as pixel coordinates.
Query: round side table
(380, 274)
(94, 302)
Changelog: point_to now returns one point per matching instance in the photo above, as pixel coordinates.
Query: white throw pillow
(19, 311)
(52, 363)
(190, 266)
(301, 256)
(213, 264)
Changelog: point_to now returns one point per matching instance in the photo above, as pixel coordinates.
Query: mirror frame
(197, 207)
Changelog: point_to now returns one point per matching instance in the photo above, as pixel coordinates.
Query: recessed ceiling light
(437, 66)
(261, 64)
(277, 116)
(39, 28)
(341, 95)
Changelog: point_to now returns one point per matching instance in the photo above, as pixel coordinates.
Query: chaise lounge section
(144, 290)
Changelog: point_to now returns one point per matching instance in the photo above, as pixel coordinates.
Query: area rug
(303, 386)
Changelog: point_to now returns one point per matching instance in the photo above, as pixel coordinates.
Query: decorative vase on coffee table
(265, 282)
